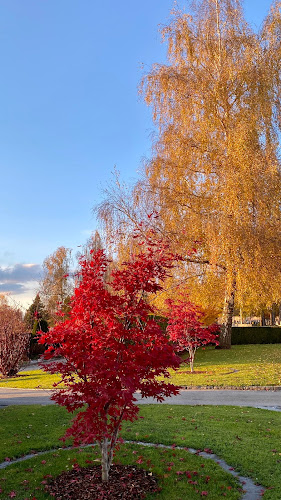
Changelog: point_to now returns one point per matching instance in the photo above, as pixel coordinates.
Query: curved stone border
(268, 388)
(250, 489)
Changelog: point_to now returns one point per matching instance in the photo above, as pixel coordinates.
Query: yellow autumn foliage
(214, 176)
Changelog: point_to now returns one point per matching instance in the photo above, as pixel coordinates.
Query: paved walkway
(267, 399)
(10, 396)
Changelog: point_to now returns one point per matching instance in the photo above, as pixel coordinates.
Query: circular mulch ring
(126, 482)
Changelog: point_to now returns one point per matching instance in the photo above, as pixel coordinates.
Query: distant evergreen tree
(36, 317)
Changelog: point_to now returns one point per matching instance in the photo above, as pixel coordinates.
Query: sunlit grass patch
(33, 379)
(240, 366)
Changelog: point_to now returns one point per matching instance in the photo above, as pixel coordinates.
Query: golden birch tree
(56, 286)
(214, 176)
(215, 171)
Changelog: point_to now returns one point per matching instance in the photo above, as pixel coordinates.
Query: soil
(126, 482)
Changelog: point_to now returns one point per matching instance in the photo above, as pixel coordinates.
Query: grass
(241, 366)
(33, 379)
(247, 439)
(25, 428)
(27, 479)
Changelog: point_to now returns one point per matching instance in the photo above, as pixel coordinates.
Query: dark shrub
(256, 335)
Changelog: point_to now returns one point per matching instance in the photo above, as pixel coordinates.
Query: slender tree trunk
(262, 319)
(227, 315)
(272, 315)
(191, 359)
(107, 446)
(105, 465)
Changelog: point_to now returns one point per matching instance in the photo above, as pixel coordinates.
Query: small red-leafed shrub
(13, 339)
(110, 347)
(186, 329)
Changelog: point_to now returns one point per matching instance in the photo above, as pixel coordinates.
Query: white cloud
(20, 282)
(19, 274)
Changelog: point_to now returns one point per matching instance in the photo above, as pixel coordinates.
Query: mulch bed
(126, 482)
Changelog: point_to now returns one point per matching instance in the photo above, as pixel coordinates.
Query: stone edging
(273, 388)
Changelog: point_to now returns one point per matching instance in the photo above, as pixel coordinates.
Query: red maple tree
(13, 339)
(186, 328)
(109, 347)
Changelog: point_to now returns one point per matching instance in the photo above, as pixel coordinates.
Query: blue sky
(70, 113)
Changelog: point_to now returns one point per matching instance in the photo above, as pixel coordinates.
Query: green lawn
(33, 379)
(247, 439)
(27, 478)
(241, 366)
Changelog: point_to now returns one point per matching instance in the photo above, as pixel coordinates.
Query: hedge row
(256, 335)
(244, 334)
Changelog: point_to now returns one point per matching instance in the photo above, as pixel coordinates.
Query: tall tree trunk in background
(227, 315)
(241, 316)
(272, 315)
(262, 319)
